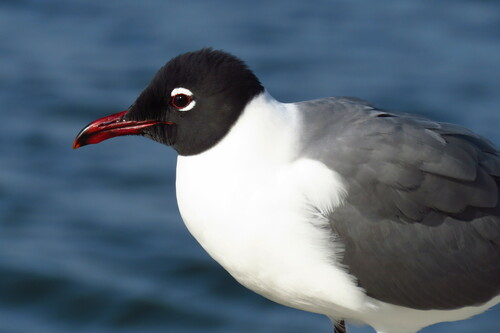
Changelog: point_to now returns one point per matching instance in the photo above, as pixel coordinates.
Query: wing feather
(421, 222)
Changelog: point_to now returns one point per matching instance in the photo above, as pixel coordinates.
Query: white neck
(255, 146)
(265, 129)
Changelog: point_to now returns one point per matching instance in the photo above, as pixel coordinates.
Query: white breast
(258, 211)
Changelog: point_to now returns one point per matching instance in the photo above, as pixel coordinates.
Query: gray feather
(421, 222)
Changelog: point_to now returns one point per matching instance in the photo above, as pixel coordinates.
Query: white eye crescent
(182, 99)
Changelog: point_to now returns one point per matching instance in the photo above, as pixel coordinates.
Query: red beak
(111, 126)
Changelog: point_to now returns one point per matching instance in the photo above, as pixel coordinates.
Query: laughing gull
(330, 206)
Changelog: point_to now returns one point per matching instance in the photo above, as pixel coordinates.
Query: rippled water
(91, 240)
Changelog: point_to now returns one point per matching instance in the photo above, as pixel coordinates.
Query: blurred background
(91, 240)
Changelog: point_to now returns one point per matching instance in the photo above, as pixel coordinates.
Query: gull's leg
(339, 327)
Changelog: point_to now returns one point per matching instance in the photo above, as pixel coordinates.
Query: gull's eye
(182, 99)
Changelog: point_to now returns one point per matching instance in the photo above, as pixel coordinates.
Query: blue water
(91, 240)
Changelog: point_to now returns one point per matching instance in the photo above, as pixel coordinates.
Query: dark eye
(180, 101)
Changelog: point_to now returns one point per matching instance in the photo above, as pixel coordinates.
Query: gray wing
(421, 221)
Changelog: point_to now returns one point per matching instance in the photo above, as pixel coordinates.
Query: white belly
(265, 230)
